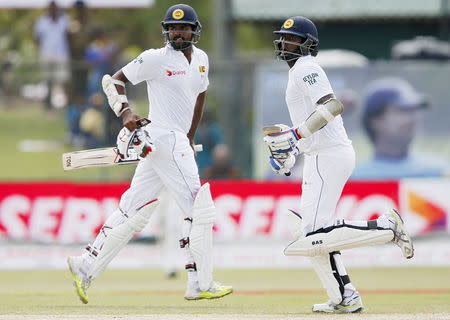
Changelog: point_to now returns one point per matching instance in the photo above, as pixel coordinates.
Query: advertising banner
(246, 210)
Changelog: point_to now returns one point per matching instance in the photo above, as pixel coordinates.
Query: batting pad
(117, 237)
(200, 238)
(322, 267)
(336, 239)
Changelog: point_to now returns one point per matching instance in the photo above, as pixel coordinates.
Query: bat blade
(100, 157)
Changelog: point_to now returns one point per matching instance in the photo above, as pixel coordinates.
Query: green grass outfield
(257, 292)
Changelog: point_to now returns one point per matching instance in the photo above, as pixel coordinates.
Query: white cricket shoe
(80, 280)
(217, 290)
(401, 236)
(350, 304)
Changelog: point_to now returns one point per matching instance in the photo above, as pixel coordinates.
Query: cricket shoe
(217, 290)
(80, 280)
(401, 236)
(350, 304)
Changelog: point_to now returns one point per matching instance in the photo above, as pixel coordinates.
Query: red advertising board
(73, 212)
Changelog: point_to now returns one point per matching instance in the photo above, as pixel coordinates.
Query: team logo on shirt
(202, 69)
(175, 72)
(288, 23)
(178, 14)
(311, 78)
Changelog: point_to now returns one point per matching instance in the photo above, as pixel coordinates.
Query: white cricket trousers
(325, 173)
(171, 165)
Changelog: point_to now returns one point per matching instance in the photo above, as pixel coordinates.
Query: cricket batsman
(177, 79)
(318, 132)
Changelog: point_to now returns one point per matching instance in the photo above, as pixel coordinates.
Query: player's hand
(142, 143)
(129, 119)
(282, 165)
(124, 140)
(282, 142)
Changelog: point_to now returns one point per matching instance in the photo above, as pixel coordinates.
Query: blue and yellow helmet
(303, 28)
(181, 14)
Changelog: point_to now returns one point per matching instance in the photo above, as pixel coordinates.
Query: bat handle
(142, 122)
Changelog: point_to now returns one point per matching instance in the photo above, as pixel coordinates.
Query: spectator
(102, 55)
(75, 134)
(222, 167)
(80, 32)
(392, 113)
(92, 121)
(50, 31)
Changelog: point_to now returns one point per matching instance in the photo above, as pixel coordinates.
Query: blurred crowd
(74, 54)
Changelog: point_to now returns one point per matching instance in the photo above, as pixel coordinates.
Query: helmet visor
(182, 40)
(303, 48)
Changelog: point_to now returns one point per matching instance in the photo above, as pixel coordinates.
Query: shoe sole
(75, 282)
(227, 292)
(407, 244)
(342, 310)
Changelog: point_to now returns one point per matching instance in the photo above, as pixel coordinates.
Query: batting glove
(141, 143)
(280, 165)
(284, 141)
(124, 141)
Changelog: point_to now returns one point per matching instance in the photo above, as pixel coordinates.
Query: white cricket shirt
(306, 85)
(173, 84)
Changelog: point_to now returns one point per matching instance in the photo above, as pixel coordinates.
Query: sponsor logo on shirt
(311, 78)
(202, 69)
(175, 72)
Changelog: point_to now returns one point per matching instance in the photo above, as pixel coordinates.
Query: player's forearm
(324, 114)
(198, 111)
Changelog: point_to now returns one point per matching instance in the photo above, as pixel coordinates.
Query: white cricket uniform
(173, 85)
(328, 153)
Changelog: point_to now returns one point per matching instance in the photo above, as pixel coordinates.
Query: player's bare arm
(198, 111)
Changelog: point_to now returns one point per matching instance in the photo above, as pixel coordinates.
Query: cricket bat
(101, 157)
(104, 157)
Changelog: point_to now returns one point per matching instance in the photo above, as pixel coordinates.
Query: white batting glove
(282, 165)
(124, 140)
(284, 141)
(142, 144)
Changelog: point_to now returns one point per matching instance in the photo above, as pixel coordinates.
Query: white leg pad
(200, 238)
(336, 239)
(117, 237)
(323, 269)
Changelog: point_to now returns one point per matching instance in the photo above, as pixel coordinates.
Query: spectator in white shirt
(50, 31)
